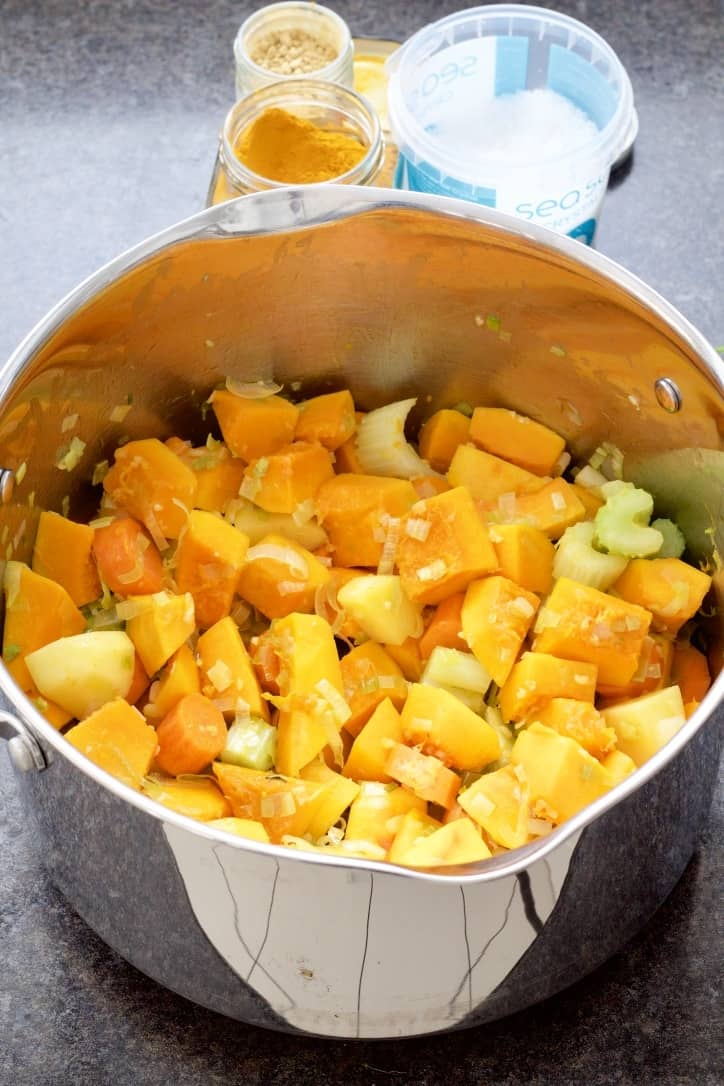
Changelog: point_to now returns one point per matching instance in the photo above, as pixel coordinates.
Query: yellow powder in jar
(282, 147)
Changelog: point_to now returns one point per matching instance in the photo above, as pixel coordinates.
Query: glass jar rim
(242, 56)
(289, 92)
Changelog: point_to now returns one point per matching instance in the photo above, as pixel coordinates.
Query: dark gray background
(109, 115)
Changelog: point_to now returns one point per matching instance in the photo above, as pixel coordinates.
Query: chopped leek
(622, 524)
(674, 543)
(577, 558)
(382, 447)
(251, 743)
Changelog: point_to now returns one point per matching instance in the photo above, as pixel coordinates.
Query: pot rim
(285, 210)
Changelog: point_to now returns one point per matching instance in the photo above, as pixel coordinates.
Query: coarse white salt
(527, 126)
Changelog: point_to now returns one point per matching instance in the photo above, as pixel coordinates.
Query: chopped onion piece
(120, 411)
(340, 709)
(128, 609)
(561, 463)
(253, 390)
(382, 447)
(286, 556)
(278, 805)
(507, 504)
(68, 423)
(220, 675)
(249, 488)
(134, 573)
(389, 548)
(558, 501)
(435, 571)
(304, 512)
(590, 478)
(69, 456)
(154, 529)
(538, 827)
(417, 528)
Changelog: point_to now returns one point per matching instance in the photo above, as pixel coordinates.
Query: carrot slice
(127, 560)
(190, 736)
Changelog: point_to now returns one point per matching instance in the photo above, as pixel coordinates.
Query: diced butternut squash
(423, 774)
(653, 671)
(445, 627)
(581, 623)
(37, 611)
(254, 428)
(407, 657)
(380, 606)
(218, 478)
(551, 509)
(200, 799)
(128, 561)
(312, 707)
(280, 576)
(63, 552)
(338, 793)
(227, 673)
(487, 477)
(458, 842)
(154, 485)
(440, 436)
(453, 551)
(559, 772)
(538, 677)
(81, 673)
(346, 457)
(140, 681)
(282, 481)
(498, 802)
(283, 805)
(643, 726)
(368, 754)
(369, 677)
(525, 555)
(116, 738)
(354, 511)
(160, 626)
(496, 617)
(209, 560)
(516, 438)
(439, 723)
(670, 589)
(241, 827)
(328, 419)
(578, 720)
(179, 677)
(412, 827)
(690, 672)
(590, 500)
(619, 765)
(190, 736)
(375, 814)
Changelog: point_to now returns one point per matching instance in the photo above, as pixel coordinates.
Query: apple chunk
(81, 673)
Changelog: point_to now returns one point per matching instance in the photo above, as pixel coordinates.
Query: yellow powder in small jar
(293, 52)
(283, 147)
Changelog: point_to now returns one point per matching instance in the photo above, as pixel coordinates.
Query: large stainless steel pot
(389, 294)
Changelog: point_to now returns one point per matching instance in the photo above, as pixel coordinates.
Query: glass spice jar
(326, 105)
(289, 40)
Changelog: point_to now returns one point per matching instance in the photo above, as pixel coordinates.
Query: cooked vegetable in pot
(318, 633)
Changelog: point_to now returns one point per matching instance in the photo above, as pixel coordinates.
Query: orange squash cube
(581, 623)
(578, 720)
(280, 576)
(367, 758)
(369, 677)
(200, 799)
(458, 842)
(440, 436)
(559, 772)
(454, 551)
(346, 457)
(219, 484)
(254, 428)
(154, 485)
(162, 625)
(227, 673)
(487, 477)
(496, 617)
(551, 509)
(690, 672)
(209, 560)
(498, 802)
(179, 677)
(338, 793)
(440, 724)
(412, 827)
(63, 552)
(328, 419)
(670, 589)
(517, 438)
(118, 739)
(525, 555)
(652, 673)
(376, 813)
(354, 509)
(283, 805)
(445, 627)
(590, 500)
(538, 677)
(424, 774)
(407, 657)
(285, 479)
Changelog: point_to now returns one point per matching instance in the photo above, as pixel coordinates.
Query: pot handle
(23, 747)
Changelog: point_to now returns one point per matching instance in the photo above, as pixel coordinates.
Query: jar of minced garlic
(290, 40)
(297, 132)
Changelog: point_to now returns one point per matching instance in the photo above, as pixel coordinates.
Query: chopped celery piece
(622, 524)
(451, 667)
(577, 558)
(674, 542)
(471, 698)
(251, 743)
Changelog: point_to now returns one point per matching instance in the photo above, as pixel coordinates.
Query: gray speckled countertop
(109, 114)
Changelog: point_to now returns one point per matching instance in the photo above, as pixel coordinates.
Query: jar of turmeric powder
(296, 132)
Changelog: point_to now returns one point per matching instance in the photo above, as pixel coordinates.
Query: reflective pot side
(405, 297)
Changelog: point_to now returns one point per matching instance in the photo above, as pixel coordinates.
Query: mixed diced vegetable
(317, 633)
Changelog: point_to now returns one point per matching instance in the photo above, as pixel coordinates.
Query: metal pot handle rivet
(668, 395)
(23, 748)
(7, 485)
